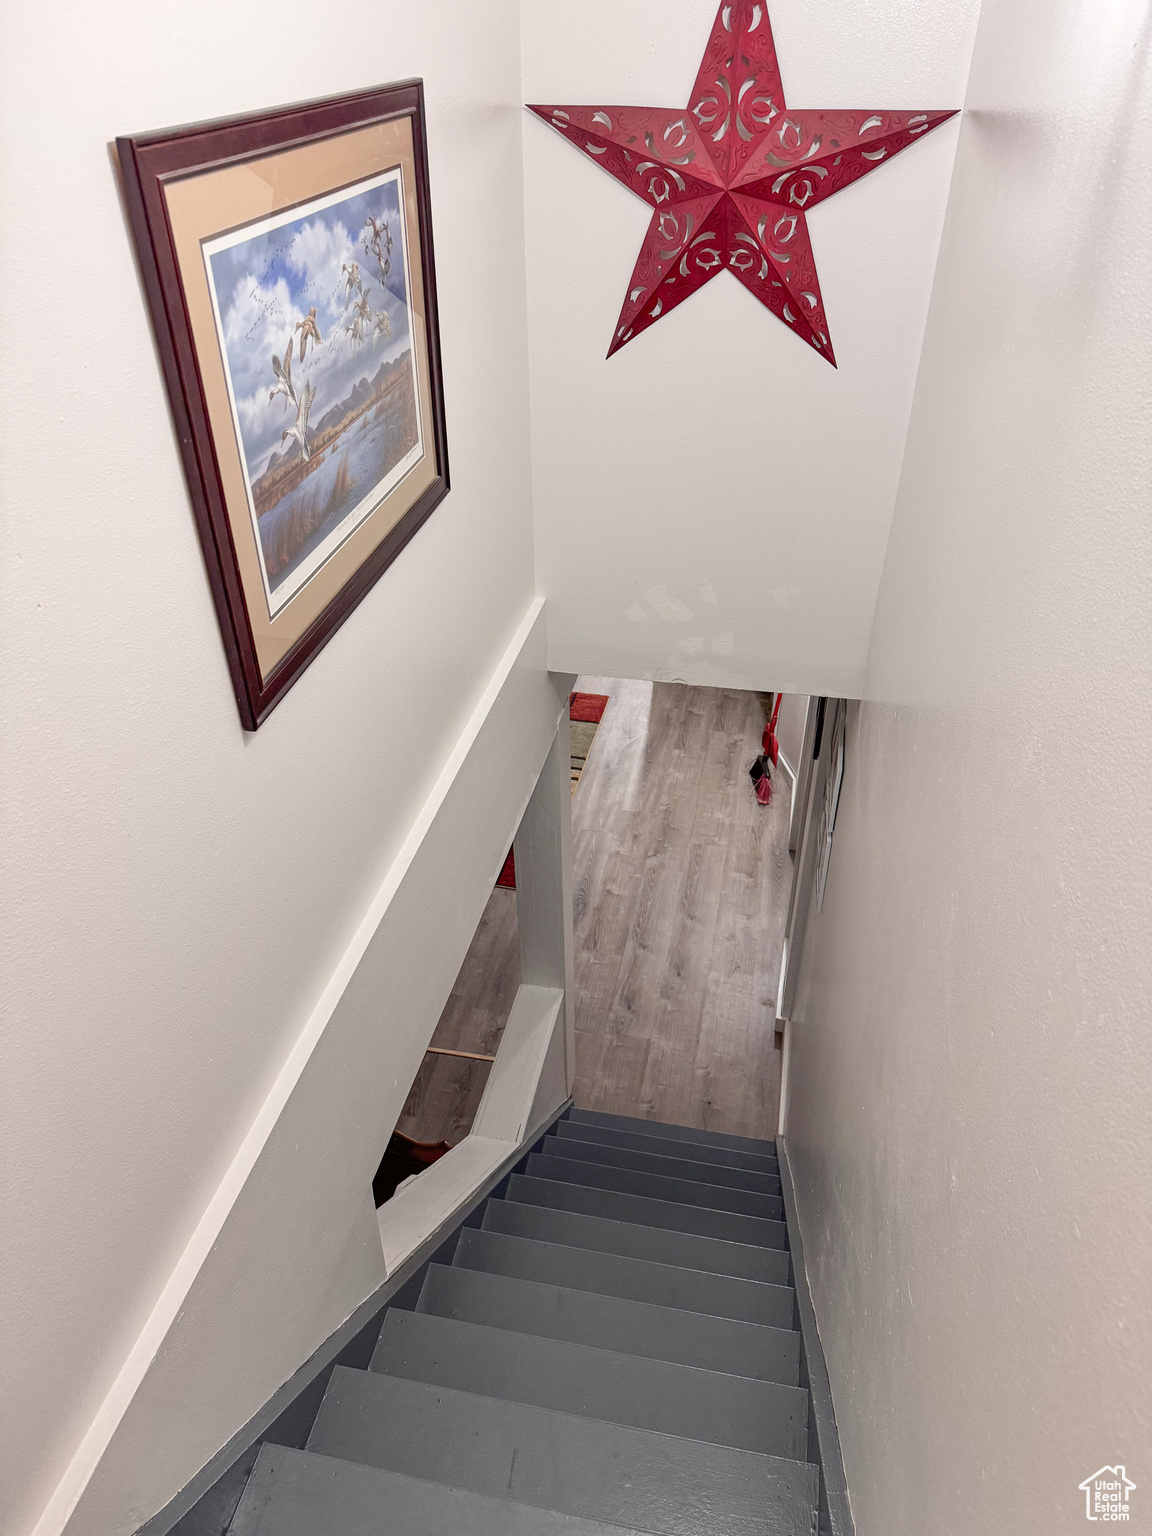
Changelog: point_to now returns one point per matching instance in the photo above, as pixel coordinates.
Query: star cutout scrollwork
(730, 178)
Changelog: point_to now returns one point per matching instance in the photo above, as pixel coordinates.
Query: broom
(761, 770)
(770, 744)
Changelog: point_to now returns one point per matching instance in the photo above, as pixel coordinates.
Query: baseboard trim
(280, 1404)
(835, 1510)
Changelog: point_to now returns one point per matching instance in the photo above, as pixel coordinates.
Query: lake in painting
(312, 312)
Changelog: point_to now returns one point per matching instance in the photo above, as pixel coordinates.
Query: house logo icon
(1106, 1494)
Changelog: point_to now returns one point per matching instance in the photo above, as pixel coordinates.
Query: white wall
(717, 476)
(971, 1065)
(178, 894)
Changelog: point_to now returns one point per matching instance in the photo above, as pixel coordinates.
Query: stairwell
(615, 1346)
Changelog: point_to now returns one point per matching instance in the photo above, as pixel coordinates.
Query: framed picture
(287, 261)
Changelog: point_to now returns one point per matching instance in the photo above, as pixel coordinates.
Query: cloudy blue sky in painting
(265, 284)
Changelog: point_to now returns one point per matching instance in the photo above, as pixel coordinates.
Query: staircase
(612, 1349)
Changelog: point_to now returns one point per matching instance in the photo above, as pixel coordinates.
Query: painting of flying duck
(302, 358)
(312, 315)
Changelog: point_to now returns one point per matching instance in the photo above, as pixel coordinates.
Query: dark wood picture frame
(147, 163)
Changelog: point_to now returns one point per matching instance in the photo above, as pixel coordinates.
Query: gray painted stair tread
(646, 1212)
(297, 1493)
(640, 1141)
(612, 1322)
(674, 1132)
(655, 1162)
(595, 1383)
(609, 1472)
(661, 1285)
(713, 1197)
(661, 1245)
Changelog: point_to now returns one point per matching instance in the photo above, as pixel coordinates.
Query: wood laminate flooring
(446, 1093)
(680, 894)
(681, 887)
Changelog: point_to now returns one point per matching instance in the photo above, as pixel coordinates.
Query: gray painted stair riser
(712, 1197)
(612, 1322)
(297, 1493)
(647, 1212)
(660, 1245)
(724, 1157)
(595, 1383)
(674, 1132)
(632, 1477)
(661, 1285)
(668, 1167)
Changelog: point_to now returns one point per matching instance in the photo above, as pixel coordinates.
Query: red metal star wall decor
(730, 177)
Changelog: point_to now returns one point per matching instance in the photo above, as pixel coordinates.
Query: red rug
(588, 707)
(583, 709)
(508, 873)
